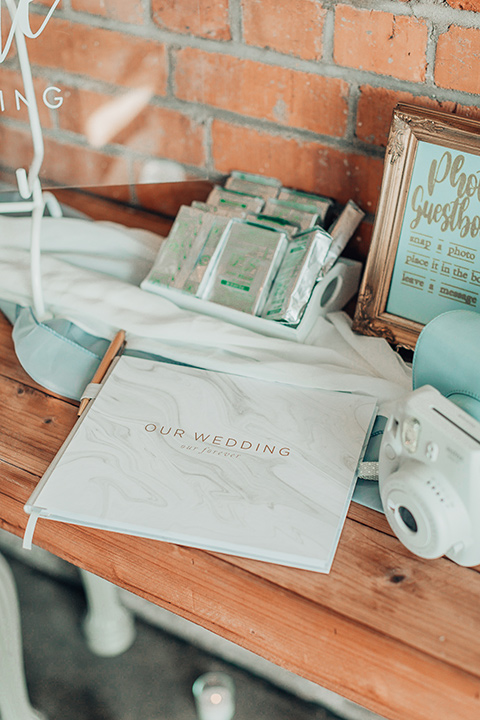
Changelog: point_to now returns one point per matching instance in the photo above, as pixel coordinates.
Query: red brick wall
(299, 89)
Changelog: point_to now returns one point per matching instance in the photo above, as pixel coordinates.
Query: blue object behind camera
(447, 356)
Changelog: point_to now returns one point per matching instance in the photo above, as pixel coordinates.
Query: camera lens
(408, 518)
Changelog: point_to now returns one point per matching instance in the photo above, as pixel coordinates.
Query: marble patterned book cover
(210, 460)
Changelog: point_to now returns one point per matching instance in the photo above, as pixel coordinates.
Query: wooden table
(390, 631)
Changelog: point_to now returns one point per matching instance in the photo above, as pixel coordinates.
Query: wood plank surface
(146, 203)
(33, 425)
(101, 208)
(303, 635)
(386, 629)
(153, 207)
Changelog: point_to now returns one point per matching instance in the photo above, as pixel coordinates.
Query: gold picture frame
(424, 257)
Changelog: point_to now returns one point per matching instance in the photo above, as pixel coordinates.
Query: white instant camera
(429, 477)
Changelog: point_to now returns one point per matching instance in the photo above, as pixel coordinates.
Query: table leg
(109, 627)
(14, 700)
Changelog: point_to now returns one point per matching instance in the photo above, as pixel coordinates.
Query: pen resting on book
(113, 349)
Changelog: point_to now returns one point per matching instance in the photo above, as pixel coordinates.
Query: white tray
(330, 294)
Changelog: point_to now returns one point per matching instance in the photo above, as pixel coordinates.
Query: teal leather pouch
(55, 353)
(447, 356)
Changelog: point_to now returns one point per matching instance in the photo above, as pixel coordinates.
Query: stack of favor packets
(254, 246)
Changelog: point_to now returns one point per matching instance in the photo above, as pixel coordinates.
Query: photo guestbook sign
(425, 256)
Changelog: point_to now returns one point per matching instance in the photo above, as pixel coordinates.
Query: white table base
(14, 700)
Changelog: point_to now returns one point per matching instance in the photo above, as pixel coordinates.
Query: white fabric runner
(332, 358)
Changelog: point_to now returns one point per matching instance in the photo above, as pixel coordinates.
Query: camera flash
(411, 434)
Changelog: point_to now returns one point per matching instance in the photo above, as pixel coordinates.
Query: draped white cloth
(91, 273)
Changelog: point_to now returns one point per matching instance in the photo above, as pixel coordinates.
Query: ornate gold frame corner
(410, 124)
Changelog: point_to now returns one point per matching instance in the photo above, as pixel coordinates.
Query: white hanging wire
(29, 186)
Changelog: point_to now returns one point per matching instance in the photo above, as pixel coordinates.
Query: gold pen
(115, 346)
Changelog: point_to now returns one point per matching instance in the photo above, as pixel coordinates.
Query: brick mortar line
(53, 115)
(232, 49)
(287, 132)
(269, 58)
(171, 56)
(355, 78)
(208, 146)
(111, 150)
(66, 136)
(328, 36)
(204, 114)
(346, 145)
(421, 11)
(431, 54)
(349, 75)
(325, 67)
(153, 32)
(130, 163)
(235, 20)
(352, 118)
(147, 11)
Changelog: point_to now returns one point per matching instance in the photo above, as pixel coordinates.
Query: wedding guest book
(211, 460)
